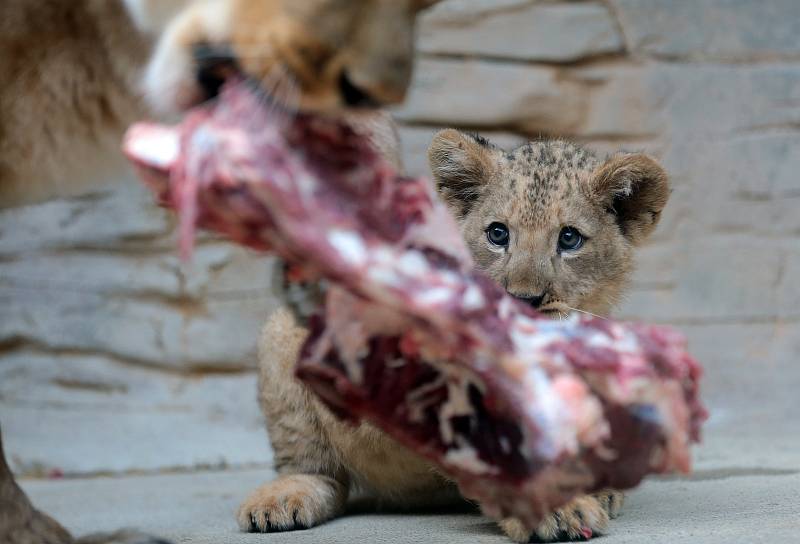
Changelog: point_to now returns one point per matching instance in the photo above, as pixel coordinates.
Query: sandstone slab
(481, 94)
(416, 140)
(561, 32)
(719, 30)
(78, 415)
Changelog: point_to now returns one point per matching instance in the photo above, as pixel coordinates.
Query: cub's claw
(291, 502)
(581, 519)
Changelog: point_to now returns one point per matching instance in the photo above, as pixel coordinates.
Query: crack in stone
(720, 60)
(730, 472)
(42, 471)
(712, 321)
(92, 386)
(613, 13)
(34, 347)
(586, 61)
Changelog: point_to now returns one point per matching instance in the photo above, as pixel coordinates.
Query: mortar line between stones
(34, 347)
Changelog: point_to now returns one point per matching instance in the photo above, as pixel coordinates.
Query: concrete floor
(712, 506)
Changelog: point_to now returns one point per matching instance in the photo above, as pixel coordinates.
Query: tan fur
(536, 189)
(591, 512)
(68, 71)
(308, 440)
(309, 42)
(76, 73)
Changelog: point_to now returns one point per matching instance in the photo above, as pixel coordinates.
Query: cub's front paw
(296, 501)
(580, 519)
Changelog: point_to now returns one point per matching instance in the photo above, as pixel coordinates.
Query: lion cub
(553, 224)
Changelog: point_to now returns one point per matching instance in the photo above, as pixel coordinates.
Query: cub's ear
(461, 165)
(635, 187)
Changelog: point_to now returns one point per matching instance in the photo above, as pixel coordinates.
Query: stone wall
(111, 346)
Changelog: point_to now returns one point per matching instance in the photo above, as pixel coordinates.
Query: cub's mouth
(555, 307)
(548, 308)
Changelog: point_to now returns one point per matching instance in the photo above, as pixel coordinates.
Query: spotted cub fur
(572, 221)
(552, 223)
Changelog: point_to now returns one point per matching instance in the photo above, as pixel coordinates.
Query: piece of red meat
(523, 412)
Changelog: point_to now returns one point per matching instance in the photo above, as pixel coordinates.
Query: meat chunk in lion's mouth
(523, 412)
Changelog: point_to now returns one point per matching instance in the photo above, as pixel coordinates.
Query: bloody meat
(523, 412)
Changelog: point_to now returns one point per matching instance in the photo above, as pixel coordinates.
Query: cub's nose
(533, 300)
(214, 64)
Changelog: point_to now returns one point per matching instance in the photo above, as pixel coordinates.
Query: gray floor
(728, 506)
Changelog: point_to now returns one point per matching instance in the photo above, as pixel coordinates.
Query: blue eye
(569, 239)
(497, 233)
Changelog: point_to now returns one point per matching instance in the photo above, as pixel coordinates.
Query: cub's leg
(581, 519)
(312, 486)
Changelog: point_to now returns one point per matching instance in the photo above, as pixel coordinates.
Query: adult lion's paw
(21, 523)
(296, 501)
(29, 526)
(580, 519)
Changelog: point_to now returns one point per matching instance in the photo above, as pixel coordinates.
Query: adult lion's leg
(20, 522)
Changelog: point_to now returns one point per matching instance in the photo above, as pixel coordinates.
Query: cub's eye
(497, 233)
(569, 239)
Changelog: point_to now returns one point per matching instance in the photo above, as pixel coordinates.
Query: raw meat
(523, 412)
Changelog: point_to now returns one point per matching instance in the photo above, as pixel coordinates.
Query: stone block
(88, 415)
(736, 278)
(460, 9)
(123, 217)
(184, 334)
(521, 31)
(682, 101)
(718, 30)
(415, 141)
(481, 94)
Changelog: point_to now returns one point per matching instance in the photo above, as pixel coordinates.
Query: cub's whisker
(585, 312)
